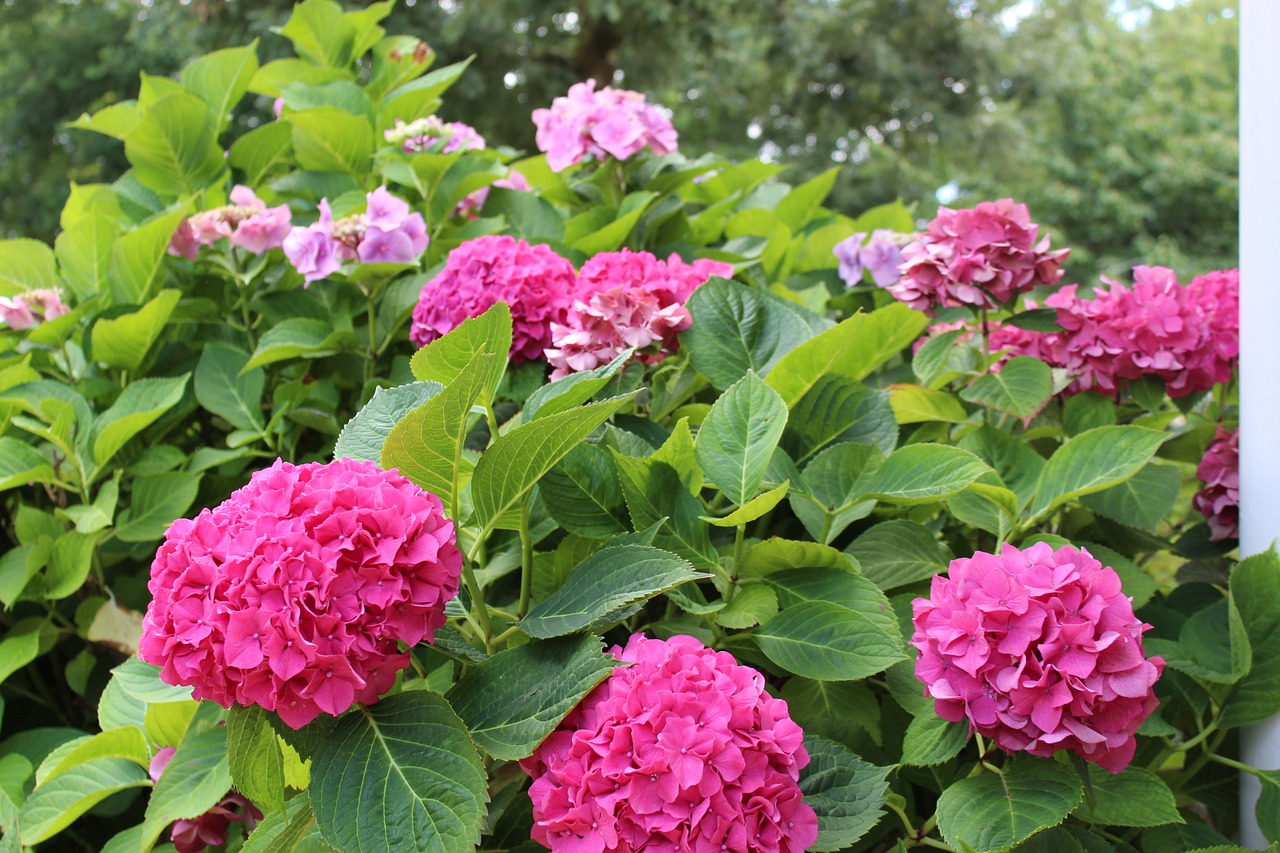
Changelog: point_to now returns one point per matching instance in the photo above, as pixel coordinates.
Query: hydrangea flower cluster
(533, 280)
(424, 134)
(294, 593)
(385, 233)
(881, 256)
(247, 223)
(32, 308)
(980, 257)
(1219, 500)
(627, 299)
(191, 835)
(1040, 650)
(683, 750)
(589, 123)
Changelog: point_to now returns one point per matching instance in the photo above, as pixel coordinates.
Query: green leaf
(738, 437)
(281, 72)
(1133, 797)
(125, 341)
(320, 33)
(931, 740)
(853, 349)
(827, 642)
(758, 506)
(529, 216)
(365, 435)
(655, 494)
(736, 329)
(605, 586)
(1083, 412)
(444, 359)
(923, 473)
(899, 552)
(572, 390)
(1255, 589)
(514, 463)
(255, 760)
(137, 407)
(226, 389)
(53, 807)
(610, 237)
(798, 206)
(751, 606)
(173, 147)
(513, 700)
(196, 778)
(825, 501)
(298, 337)
(837, 586)
(837, 409)
(940, 357)
(993, 812)
(1021, 388)
(20, 464)
(292, 830)
(1093, 461)
(1017, 464)
(125, 742)
(84, 255)
(221, 78)
(69, 563)
(141, 680)
(138, 259)
(913, 404)
(1036, 320)
(399, 775)
(342, 95)
(775, 555)
(986, 505)
(846, 792)
(840, 710)
(20, 647)
(583, 495)
(260, 151)
(115, 120)
(332, 140)
(1143, 500)
(415, 98)
(26, 264)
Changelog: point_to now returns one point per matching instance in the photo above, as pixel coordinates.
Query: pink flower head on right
(1219, 500)
(609, 122)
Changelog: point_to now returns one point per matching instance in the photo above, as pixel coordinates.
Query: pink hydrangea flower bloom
(391, 233)
(295, 593)
(425, 134)
(589, 123)
(1040, 650)
(982, 257)
(533, 280)
(627, 299)
(191, 835)
(881, 256)
(387, 232)
(682, 750)
(1219, 500)
(32, 308)
(247, 223)
(312, 250)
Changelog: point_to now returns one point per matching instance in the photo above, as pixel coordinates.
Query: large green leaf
(852, 349)
(583, 495)
(366, 433)
(125, 341)
(156, 500)
(137, 407)
(173, 148)
(827, 642)
(26, 264)
(572, 390)
(1017, 464)
(320, 33)
(931, 740)
(996, 811)
(332, 140)
(20, 464)
(52, 807)
(193, 782)
(221, 78)
(260, 151)
(292, 830)
(1255, 589)
(913, 404)
(923, 473)
(84, 254)
(1143, 500)
(1093, 461)
(846, 792)
(514, 463)
(299, 337)
(255, 760)
(831, 482)
(446, 357)
(513, 700)
(1133, 797)
(655, 494)
(840, 710)
(738, 437)
(606, 586)
(138, 259)
(839, 409)
(226, 389)
(415, 97)
(736, 329)
(837, 586)
(400, 775)
(1020, 388)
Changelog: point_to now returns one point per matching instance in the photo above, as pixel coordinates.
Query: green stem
(373, 337)
(986, 359)
(739, 537)
(478, 605)
(505, 635)
(492, 417)
(1238, 765)
(526, 559)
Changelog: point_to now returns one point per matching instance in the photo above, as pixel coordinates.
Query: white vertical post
(1259, 341)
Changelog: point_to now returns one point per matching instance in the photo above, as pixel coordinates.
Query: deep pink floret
(609, 122)
(296, 592)
(1040, 650)
(1219, 500)
(534, 281)
(681, 751)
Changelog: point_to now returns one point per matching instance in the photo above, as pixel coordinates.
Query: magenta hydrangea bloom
(589, 123)
(881, 256)
(295, 593)
(191, 835)
(1040, 650)
(247, 223)
(683, 750)
(981, 257)
(1219, 500)
(533, 280)
(32, 308)
(627, 299)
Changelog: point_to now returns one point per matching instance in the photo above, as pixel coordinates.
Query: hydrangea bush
(368, 486)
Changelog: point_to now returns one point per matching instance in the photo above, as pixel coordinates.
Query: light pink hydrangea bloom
(32, 308)
(312, 250)
(682, 751)
(1219, 500)
(881, 256)
(533, 280)
(981, 257)
(247, 223)
(387, 232)
(191, 835)
(627, 299)
(295, 593)
(589, 123)
(1040, 650)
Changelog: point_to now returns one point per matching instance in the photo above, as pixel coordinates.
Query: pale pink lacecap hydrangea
(681, 751)
(1040, 650)
(981, 257)
(589, 123)
(1219, 500)
(387, 232)
(627, 299)
(881, 256)
(32, 308)
(533, 280)
(424, 134)
(295, 593)
(191, 835)
(247, 223)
